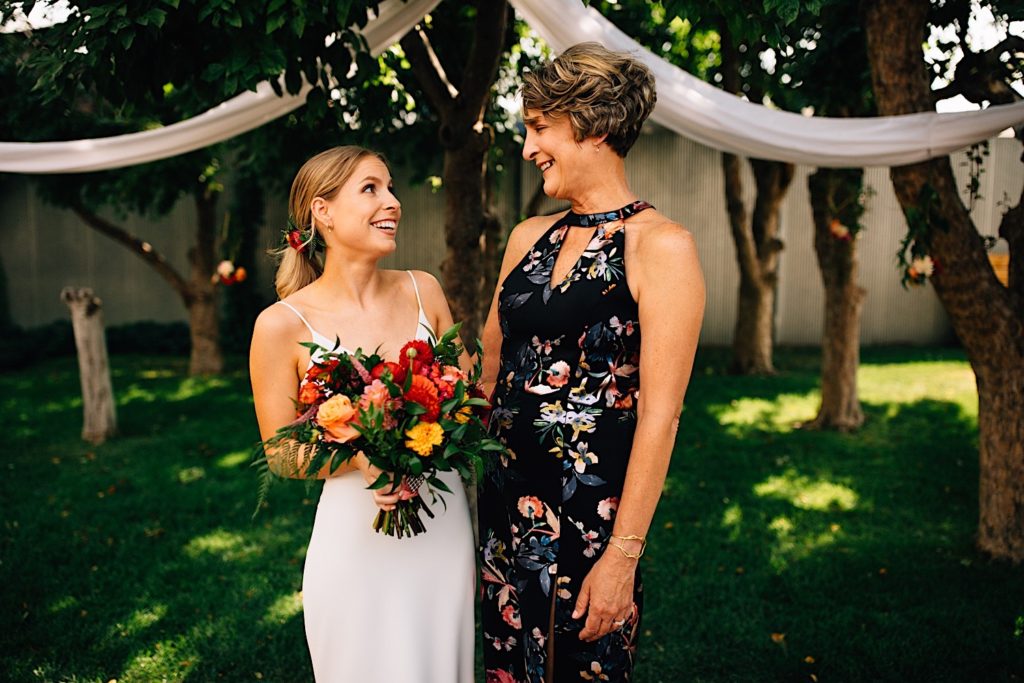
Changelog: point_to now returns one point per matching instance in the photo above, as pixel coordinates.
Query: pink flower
(375, 394)
(499, 676)
(511, 617)
(607, 507)
(559, 374)
(530, 506)
(453, 374)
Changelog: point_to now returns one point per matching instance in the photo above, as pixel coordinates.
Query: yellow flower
(462, 417)
(423, 437)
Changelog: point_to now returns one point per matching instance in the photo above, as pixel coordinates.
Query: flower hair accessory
(303, 240)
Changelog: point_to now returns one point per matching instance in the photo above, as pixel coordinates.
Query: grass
(777, 554)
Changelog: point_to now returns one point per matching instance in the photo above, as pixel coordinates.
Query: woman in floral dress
(564, 517)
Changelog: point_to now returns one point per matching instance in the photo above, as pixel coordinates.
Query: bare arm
(670, 295)
(274, 358)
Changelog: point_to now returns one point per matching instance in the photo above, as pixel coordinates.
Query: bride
(376, 608)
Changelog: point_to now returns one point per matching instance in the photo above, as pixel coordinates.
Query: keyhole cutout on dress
(561, 258)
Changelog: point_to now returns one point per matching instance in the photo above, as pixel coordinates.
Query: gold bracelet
(632, 556)
(631, 537)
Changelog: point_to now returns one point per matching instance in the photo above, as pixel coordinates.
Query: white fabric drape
(686, 105)
(721, 120)
(233, 117)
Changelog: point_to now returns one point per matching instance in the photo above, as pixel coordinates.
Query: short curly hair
(602, 92)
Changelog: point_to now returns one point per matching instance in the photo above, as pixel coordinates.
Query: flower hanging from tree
(228, 274)
(921, 268)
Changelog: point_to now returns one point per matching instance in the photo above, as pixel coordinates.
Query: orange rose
(335, 415)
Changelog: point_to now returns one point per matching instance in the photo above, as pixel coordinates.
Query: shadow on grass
(777, 553)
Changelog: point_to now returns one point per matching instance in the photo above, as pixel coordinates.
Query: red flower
(423, 391)
(397, 371)
(417, 350)
(295, 240)
(309, 393)
(319, 369)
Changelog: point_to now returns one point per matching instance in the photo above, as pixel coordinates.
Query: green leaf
(380, 482)
(438, 484)
(276, 22)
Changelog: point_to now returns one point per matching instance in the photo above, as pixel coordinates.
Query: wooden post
(93, 366)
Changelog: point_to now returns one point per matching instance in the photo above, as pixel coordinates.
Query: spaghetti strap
(415, 287)
(296, 312)
(422, 323)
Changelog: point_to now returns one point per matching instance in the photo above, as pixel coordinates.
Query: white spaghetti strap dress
(384, 609)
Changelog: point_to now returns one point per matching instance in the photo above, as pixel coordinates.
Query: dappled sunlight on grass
(283, 609)
(139, 620)
(135, 393)
(793, 544)
(191, 387)
(156, 374)
(779, 415)
(807, 494)
(171, 654)
(232, 459)
(732, 519)
(230, 547)
(66, 602)
(951, 381)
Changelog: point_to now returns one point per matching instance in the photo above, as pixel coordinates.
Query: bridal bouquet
(412, 419)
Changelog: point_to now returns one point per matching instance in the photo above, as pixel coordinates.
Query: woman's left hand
(606, 596)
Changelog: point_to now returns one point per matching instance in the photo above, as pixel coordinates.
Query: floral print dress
(565, 407)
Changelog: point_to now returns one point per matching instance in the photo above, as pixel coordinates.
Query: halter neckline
(589, 220)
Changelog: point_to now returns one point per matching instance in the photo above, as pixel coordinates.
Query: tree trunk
(100, 421)
(471, 228)
(466, 226)
(204, 325)
(197, 293)
(757, 243)
(987, 317)
(757, 255)
(833, 194)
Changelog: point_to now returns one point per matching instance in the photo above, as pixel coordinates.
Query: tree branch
(484, 54)
(429, 72)
(139, 247)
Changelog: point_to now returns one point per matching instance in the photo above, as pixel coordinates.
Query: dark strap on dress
(589, 220)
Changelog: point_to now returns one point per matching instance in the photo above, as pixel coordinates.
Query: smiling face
(551, 145)
(364, 213)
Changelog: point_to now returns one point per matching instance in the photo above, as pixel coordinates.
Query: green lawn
(776, 554)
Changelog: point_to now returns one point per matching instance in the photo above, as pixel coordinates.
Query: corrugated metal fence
(46, 249)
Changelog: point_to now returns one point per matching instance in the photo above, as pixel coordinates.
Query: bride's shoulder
(277, 320)
(426, 283)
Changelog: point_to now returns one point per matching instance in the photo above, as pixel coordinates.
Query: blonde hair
(321, 176)
(602, 92)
